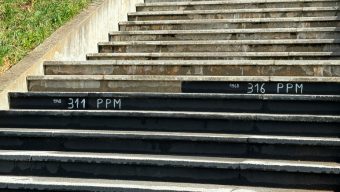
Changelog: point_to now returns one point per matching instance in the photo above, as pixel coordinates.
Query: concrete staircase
(187, 96)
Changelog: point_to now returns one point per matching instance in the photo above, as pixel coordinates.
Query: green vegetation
(24, 24)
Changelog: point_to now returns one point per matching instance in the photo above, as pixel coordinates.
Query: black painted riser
(177, 104)
(169, 173)
(171, 124)
(173, 147)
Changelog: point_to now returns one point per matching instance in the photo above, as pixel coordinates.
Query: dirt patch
(6, 65)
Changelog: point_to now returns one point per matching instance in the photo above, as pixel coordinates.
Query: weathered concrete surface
(70, 42)
(196, 67)
(235, 13)
(280, 45)
(248, 23)
(223, 5)
(228, 34)
(216, 56)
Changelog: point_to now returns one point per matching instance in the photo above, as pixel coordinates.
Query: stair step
(321, 68)
(186, 84)
(227, 34)
(238, 123)
(198, 24)
(213, 170)
(287, 104)
(235, 13)
(224, 5)
(18, 184)
(174, 143)
(101, 185)
(216, 56)
(284, 45)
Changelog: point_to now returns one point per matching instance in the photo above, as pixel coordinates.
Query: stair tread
(226, 2)
(279, 97)
(104, 185)
(214, 54)
(179, 114)
(248, 20)
(186, 78)
(257, 10)
(174, 160)
(225, 42)
(215, 31)
(154, 135)
(194, 62)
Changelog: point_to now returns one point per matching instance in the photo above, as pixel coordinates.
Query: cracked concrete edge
(70, 42)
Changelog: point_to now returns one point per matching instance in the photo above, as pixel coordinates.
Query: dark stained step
(57, 184)
(205, 170)
(231, 123)
(173, 143)
(288, 104)
(100, 185)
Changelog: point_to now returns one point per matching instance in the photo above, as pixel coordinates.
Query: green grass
(24, 24)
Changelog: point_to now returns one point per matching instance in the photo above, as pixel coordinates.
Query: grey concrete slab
(216, 56)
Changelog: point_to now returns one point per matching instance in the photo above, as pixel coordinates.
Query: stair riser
(311, 57)
(227, 36)
(144, 48)
(236, 6)
(189, 124)
(232, 15)
(173, 86)
(227, 70)
(171, 147)
(170, 173)
(217, 104)
(197, 26)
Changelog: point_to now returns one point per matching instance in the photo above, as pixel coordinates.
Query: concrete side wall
(71, 42)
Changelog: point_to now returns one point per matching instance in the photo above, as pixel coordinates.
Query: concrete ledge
(70, 42)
